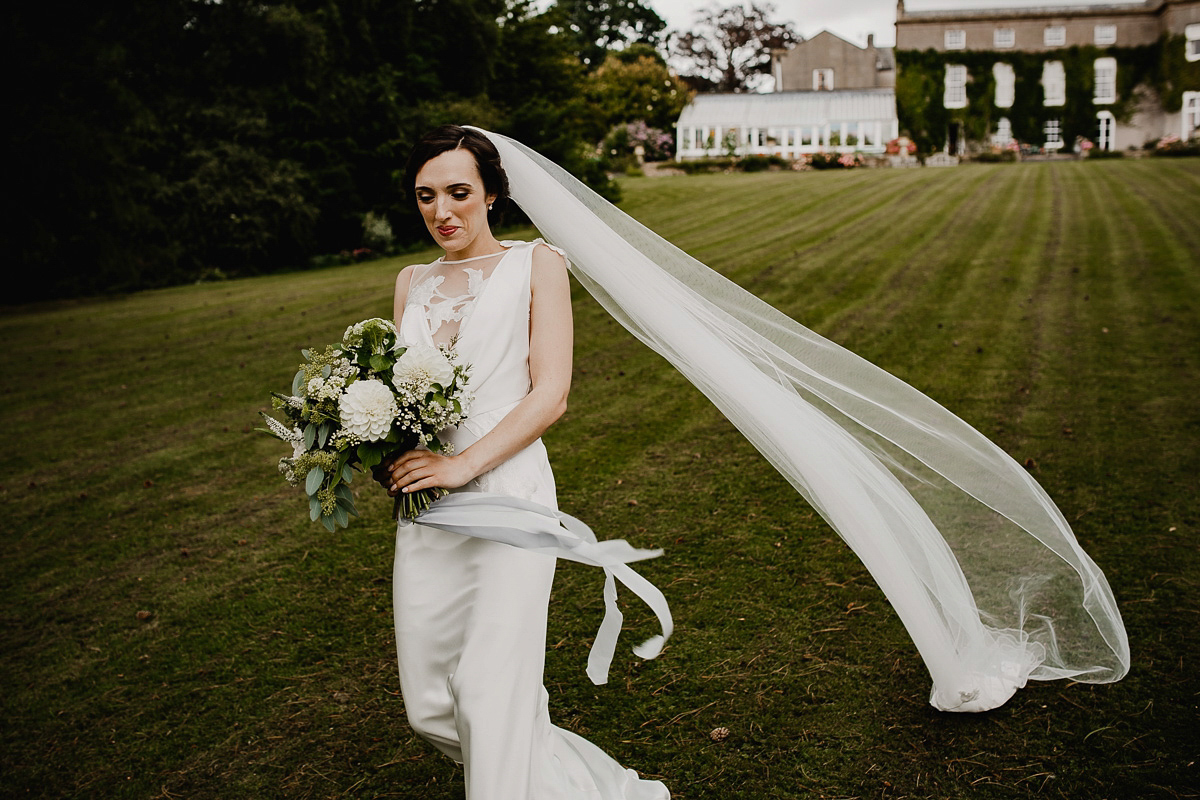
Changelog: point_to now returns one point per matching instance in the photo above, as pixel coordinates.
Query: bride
(977, 561)
(471, 613)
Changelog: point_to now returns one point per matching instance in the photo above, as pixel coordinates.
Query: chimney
(870, 40)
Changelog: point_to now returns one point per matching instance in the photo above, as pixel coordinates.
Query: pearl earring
(489, 206)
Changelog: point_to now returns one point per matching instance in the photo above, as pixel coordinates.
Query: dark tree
(729, 49)
(598, 26)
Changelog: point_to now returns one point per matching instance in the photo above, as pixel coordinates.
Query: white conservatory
(787, 124)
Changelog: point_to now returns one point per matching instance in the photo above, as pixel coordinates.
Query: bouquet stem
(409, 504)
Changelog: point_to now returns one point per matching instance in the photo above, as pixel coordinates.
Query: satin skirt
(471, 644)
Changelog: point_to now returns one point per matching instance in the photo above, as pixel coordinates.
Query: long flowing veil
(974, 556)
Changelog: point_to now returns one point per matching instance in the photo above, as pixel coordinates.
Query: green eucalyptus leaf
(323, 433)
(313, 482)
(328, 523)
(340, 515)
(310, 436)
(326, 371)
(314, 508)
(347, 473)
(298, 382)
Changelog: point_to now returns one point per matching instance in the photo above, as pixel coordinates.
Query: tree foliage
(598, 26)
(729, 48)
(635, 84)
(165, 140)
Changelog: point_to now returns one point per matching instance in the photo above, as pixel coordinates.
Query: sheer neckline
(502, 251)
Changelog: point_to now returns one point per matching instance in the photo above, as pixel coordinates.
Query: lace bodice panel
(446, 293)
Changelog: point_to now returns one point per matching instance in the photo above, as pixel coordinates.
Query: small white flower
(423, 365)
(298, 448)
(368, 409)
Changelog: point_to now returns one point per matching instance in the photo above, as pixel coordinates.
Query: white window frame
(956, 39)
(1003, 38)
(1052, 130)
(1006, 80)
(1106, 80)
(956, 87)
(1054, 84)
(1189, 115)
(1106, 130)
(1054, 36)
(1105, 34)
(822, 79)
(1192, 48)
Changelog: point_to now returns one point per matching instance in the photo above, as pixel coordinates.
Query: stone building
(830, 96)
(1107, 72)
(827, 62)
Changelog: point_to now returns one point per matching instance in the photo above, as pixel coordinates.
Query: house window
(1106, 80)
(822, 80)
(956, 39)
(1192, 32)
(1053, 132)
(1054, 84)
(1005, 85)
(1191, 115)
(1106, 34)
(956, 86)
(1003, 135)
(1004, 37)
(1054, 36)
(1107, 130)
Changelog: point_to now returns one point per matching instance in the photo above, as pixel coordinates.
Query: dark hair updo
(455, 137)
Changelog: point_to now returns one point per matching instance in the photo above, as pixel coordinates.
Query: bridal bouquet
(359, 402)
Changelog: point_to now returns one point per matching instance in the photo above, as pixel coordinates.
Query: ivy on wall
(921, 82)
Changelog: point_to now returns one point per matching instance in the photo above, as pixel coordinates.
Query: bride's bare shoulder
(547, 257)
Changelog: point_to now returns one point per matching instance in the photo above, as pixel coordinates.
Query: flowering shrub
(377, 232)
(1172, 145)
(901, 144)
(835, 161)
(621, 142)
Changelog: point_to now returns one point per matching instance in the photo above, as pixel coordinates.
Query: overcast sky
(850, 19)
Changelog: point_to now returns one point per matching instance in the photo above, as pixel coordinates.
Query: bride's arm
(550, 345)
(403, 284)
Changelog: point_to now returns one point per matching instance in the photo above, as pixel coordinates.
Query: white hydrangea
(353, 336)
(325, 388)
(368, 409)
(421, 366)
(342, 368)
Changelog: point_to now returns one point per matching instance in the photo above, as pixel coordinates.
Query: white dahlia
(368, 409)
(423, 365)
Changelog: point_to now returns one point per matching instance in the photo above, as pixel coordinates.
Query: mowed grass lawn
(1053, 306)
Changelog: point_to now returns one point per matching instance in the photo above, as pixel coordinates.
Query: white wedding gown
(471, 613)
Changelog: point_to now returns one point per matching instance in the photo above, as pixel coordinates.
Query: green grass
(1054, 306)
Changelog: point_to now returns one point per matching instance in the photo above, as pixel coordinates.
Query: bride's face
(452, 200)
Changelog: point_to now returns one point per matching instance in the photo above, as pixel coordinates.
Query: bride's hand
(422, 469)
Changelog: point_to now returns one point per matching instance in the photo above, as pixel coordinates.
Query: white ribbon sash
(534, 527)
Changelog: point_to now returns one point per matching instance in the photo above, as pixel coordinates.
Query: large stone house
(1119, 75)
(830, 96)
